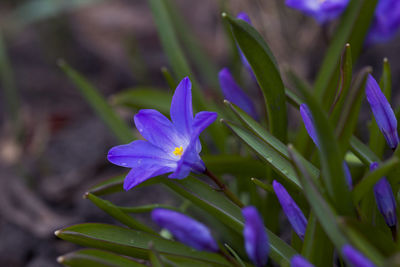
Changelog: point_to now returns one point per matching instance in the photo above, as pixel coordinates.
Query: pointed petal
(383, 112)
(145, 172)
(299, 261)
(181, 107)
(347, 175)
(235, 94)
(190, 160)
(355, 257)
(139, 152)
(309, 123)
(158, 130)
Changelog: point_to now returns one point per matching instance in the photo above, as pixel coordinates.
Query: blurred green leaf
(168, 78)
(148, 98)
(362, 151)
(154, 257)
(235, 255)
(131, 242)
(266, 187)
(117, 214)
(330, 155)
(99, 104)
(234, 164)
(96, 258)
(377, 141)
(109, 186)
(266, 71)
(353, 28)
(370, 179)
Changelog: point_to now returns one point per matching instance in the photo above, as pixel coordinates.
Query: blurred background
(53, 146)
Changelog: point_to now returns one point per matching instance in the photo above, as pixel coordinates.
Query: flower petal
(145, 172)
(158, 130)
(185, 229)
(299, 261)
(383, 112)
(181, 107)
(139, 152)
(235, 94)
(309, 123)
(355, 257)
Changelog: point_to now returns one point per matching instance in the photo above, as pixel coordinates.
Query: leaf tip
(224, 15)
(57, 233)
(60, 259)
(61, 63)
(86, 195)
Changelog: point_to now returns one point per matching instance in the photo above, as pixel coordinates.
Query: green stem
(224, 189)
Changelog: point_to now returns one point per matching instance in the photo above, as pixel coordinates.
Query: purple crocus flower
(170, 146)
(255, 237)
(235, 94)
(309, 124)
(245, 17)
(321, 10)
(299, 261)
(185, 229)
(386, 21)
(383, 112)
(290, 208)
(355, 257)
(385, 199)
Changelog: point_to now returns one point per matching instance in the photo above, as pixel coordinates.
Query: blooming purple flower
(235, 94)
(255, 237)
(386, 21)
(170, 146)
(309, 124)
(383, 112)
(385, 199)
(322, 10)
(299, 261)
(185, 229)
(355, 257)
(245, 17)
(290, 208)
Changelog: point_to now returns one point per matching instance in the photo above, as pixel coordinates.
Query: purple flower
(322, 10)
(383, 112)
(385, 199)
(290, 208)
(245, 17)
(170, 146)
(255, 237)
(299, 261)
(185, 229)
(355, 257)
(386, 22)
(309, 124)
(235, 94)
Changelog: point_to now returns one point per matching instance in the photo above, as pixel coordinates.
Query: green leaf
(266, 72)
(155, 257)
(330, 155)
(99, 104)
(131, 242)
(168, 78)
(266, 187)
(216, 204)
(362, 151)
(370, 179)
(117, 214)
(149, 98)
(96, 258)
(281, 165)
(377, 141)
(109, 186)
(353, 28)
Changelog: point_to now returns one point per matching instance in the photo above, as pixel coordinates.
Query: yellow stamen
(178, 151)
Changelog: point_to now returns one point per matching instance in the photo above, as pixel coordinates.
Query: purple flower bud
(292, 211)
(255, 237)
(347, 175)
(383, 112)
(246, 64)
(321, 10)
(386, 21)
(299, 261)
(235, 94)
(385, 199)
(185, 229)
(355, 257)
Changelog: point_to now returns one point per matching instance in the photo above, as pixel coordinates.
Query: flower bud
(355, 257)
(299, 261)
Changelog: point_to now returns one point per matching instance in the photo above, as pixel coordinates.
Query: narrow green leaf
(362, 151)
(352, 29)
(149, 98)
(235, 255)
(99, 104)
(168, 78)
(266, 187)
(234, 165)
(131, 242)
(266, 71)
(377, 141)
(117, 214)
(370, 179)
(154, 257)
(330, 155)
(96, 258)
(109, 186)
